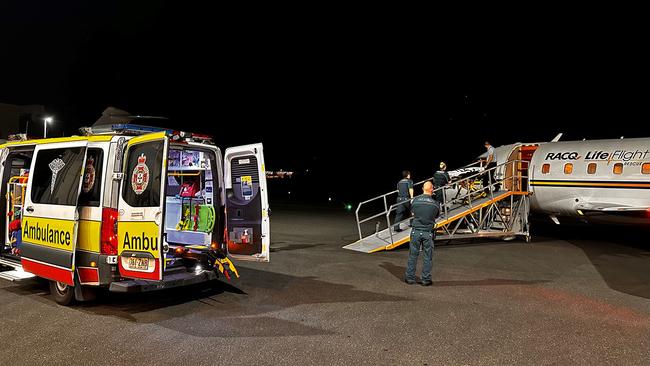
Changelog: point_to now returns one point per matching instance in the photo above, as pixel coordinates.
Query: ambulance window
(55, 179)
(645, 168)
(618, 168)
(568, 168)
(546, 168)
(91, 184)
(591, 168)
(141, 185)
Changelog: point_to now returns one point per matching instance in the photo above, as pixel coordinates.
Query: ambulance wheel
(62, 293)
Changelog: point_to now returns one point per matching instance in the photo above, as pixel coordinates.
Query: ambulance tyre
(62, 293)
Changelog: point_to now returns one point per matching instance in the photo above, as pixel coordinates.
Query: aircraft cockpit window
(568, 168)
(591, 168)
(618, 168)
(645, 168)
(546, 168)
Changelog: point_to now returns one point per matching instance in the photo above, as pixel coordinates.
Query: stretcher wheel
(62, 293)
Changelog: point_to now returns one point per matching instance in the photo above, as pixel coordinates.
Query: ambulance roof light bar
(197, 137)
(134, 129)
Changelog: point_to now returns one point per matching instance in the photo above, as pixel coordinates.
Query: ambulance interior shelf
(13, 184)
(189, 210)
(16, 188)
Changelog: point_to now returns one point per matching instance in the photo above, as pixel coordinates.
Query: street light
(46, 120)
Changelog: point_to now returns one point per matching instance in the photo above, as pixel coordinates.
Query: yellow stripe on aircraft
(590, 184)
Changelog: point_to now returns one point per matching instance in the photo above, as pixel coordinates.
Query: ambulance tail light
(109, 231)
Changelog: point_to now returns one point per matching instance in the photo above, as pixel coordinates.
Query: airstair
(469, 210)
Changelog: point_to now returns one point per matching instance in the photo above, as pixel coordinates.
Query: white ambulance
(129, 208)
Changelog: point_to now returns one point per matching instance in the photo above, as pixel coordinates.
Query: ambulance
(129, 208)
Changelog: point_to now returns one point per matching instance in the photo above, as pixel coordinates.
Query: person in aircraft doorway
(404, 193)
(441, 178)
(489, 163)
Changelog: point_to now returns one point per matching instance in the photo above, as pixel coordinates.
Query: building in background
(20, 119)
(280, 174)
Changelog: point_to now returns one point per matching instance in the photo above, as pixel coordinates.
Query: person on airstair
(404, 193)
(441, 178)
(489, 163)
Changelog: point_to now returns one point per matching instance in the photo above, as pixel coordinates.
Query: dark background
(346, 98)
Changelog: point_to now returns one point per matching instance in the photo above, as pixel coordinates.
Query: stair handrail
(517, 174)
(383, 197)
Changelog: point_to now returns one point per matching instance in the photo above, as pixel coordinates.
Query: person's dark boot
(409, 282)
(426, 283)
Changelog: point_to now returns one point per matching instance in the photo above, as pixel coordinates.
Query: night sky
(351, 99)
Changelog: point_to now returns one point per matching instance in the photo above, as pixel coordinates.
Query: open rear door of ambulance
(50, 217)
(140, 208)
(248, 227)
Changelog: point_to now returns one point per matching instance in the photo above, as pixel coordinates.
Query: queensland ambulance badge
(89, 175)
(140, 176)
(55, 166)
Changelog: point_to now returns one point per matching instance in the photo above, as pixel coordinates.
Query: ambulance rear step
(14, 272)
(176, 279)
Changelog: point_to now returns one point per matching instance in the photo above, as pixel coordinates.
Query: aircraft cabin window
(591, 168)
(645, 168)
(618, 168)
(568, 168)
(546, 168)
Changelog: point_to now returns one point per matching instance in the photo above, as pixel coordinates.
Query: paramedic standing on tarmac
(425, 210)
(404, 193)
(441, 179)
(490, 162)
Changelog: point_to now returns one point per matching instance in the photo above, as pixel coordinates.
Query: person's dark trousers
(402, 212)
(489, 177)
(425, 240)
(438, 197)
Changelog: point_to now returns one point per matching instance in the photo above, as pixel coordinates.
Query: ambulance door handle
(137, 215)
(29, 209)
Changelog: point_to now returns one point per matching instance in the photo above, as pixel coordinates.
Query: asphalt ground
(574, 295)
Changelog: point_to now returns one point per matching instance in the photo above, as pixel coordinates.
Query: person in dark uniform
(441, 178)
(425, 210)
(404, 193)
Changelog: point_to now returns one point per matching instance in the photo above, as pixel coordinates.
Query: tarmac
(574, 295)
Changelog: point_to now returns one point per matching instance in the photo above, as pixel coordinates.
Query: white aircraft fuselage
(597, 180)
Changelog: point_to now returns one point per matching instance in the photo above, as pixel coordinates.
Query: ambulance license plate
(139, 263)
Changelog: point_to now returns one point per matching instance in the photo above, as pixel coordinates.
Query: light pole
(46, 120)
